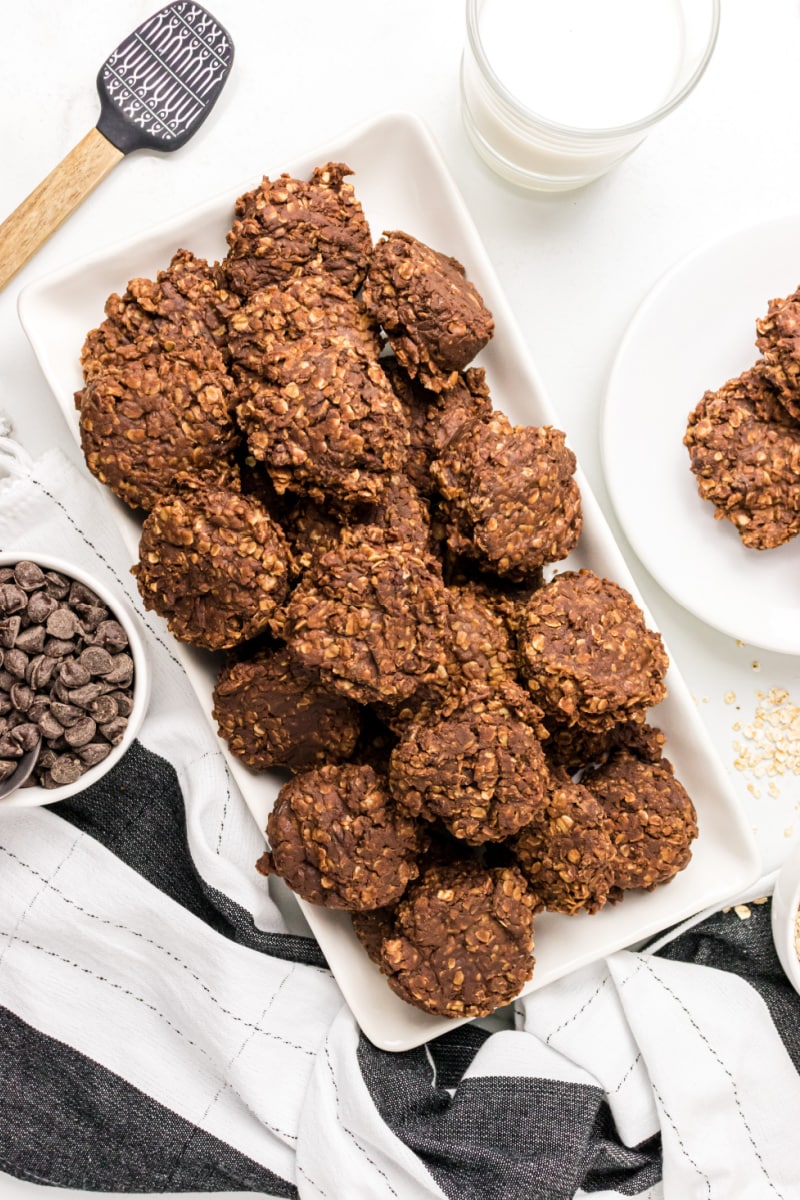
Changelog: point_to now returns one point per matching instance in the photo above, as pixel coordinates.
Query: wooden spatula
(156, 89)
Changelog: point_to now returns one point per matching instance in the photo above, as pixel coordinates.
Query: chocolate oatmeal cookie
(462, 940)
(328, 424)
(587, 654)
(371, 926)
(510, 499)
(479, 766)
(214, 564)
(371, 616)
(434, 418)
(312, 308)
(154, 420)
(338, 840)
(186, 308)
(744, 451)
(573, 747)
(652, 819)
(286, 227)
(434, 318)
(273, 712)
(479, 650)
(567, 854)
(778, 339)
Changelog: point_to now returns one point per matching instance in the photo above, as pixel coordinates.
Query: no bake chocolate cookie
(214, 564)
(327, 424)
(652, 819)
(273, 712)
(567, 854)
(462, 940)
(510, 499)
(478, 767)
(371, 616)
(338, 839)
(148, 422)
(287, 227)
(587, 654)
(744, 450)
(434, 318)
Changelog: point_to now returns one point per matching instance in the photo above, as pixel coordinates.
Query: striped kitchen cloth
(165, 1026)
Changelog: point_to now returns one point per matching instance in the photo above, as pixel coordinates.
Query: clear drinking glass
(555, 92)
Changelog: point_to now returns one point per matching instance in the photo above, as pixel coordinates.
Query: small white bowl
(785, 903)
(34, 795)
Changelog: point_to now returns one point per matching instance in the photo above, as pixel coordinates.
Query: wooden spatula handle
(49, 204)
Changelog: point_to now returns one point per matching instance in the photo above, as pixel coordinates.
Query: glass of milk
(555, 92)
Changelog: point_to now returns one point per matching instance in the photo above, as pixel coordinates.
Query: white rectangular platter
(403, 183)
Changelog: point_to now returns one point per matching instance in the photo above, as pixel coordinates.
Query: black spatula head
(161, 83)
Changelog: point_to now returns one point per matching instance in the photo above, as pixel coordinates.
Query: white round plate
(694, 331)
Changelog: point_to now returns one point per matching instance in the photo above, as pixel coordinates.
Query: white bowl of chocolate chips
(73, 677)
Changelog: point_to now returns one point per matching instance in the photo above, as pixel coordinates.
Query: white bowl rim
(785, 904)
(35, 795)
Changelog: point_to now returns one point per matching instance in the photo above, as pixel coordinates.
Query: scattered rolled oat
(768, 746)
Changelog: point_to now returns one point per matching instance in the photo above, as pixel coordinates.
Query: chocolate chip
(104, 708)
(96, 660)
(122, 671)
(46, 760)
(40, 606)
(63, 624)
(12, 598)
(49, 726)
(7, 680)
(56, 585)
(81, 733)
(27, 736)
(65, 714)
(9, 630)
(66, 769)
(73, 673)
(7, 769)
(21, 697)
(14, 662)
(111, 635)
(31, 640)
(114, 730)
(94, 753)
(5, 703)
(39, 671)
(58, 647)
(29, 576)
(84, 696)
(9, 748)
(124, 703)
(6, 574)
(91, 616)
(79, 593)
(41, 705)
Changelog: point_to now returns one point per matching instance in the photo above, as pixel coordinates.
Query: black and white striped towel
(163, 1029)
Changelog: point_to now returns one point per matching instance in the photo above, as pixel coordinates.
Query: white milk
(587, 66)
(587, 63)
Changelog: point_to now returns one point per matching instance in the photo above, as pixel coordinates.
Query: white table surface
(574, 266)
